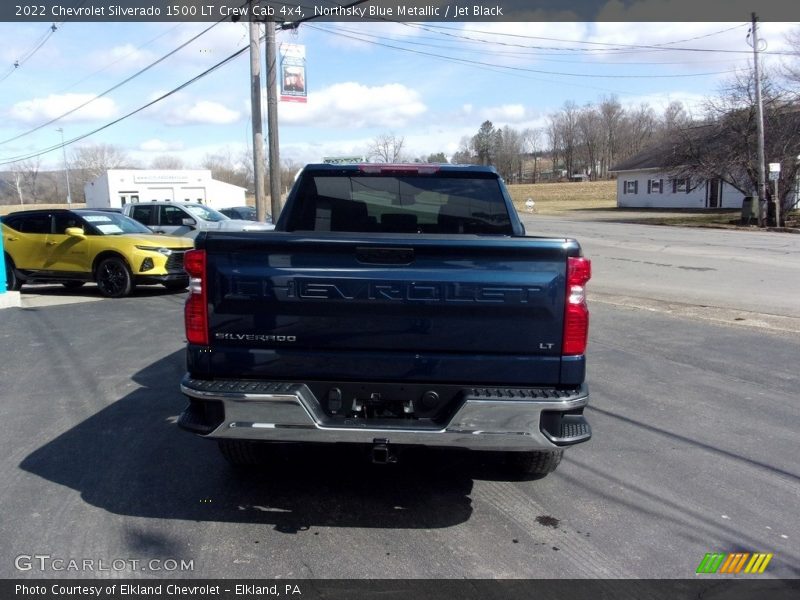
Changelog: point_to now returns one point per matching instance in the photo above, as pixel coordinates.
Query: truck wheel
(12, 281)
(242, 453)
(533, 465)
(114, 278)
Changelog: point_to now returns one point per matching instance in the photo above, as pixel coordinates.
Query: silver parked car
(187, 218)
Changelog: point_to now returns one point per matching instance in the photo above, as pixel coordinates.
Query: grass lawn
(555, 198)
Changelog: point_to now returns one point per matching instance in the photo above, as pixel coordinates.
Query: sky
(429, 83)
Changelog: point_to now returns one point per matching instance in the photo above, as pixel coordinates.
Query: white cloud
(507, 113)
(692, 102)
(126, 56)
(354, 105)
(157, 145)
(55, 105)
(202, 112)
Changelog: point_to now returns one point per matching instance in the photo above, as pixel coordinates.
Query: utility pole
(255, 113)
(66, 166)
(272, 122)
(762, 206)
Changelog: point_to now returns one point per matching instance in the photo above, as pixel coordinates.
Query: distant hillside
(42, 187)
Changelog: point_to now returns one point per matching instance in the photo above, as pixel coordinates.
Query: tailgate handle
(385, 256)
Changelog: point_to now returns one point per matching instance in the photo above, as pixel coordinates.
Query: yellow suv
(73, 247)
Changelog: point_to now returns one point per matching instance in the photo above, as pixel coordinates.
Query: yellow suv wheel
(114, 279)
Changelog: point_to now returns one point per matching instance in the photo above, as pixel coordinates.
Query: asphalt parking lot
(694, 451)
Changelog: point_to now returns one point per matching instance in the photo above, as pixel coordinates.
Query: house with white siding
(643, 182)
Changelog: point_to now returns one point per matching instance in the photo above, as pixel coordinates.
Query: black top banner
(298, 11)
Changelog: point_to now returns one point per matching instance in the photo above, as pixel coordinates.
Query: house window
(680, 186)
(630, 187)
(655, 186)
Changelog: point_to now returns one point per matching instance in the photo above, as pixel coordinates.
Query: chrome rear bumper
(487, 419)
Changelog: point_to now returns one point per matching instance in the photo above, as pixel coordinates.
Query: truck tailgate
(415, 308)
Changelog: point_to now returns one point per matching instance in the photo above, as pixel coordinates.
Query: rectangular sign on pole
(293, 73)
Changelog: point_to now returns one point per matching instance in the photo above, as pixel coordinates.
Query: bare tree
(27, 179)
(724, 145)
(289, 170)
(532, 145)
(386, 148)
(96, 159)
(791, 71)
(564, 136)
(224, 167)
(507, 153)
(91, 161)
(589, 125)
(675, 117)
(17, 172)
(463, 156)
(247, 168)
(167, 161)
(611, 114)
(639, 128)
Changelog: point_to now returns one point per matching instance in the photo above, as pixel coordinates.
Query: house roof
(653, 157)
(659, 156)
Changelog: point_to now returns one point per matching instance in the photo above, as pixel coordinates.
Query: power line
(118, 85)
(208, 71)
(112, 88)
(121, 58)
(25, 57)
(518, 68)
(184, 85)
(525, 50)
(613, 47)
(37, 45)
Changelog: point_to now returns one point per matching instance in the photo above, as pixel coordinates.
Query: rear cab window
(364, 202)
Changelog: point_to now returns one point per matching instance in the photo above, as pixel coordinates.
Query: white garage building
(117, 187)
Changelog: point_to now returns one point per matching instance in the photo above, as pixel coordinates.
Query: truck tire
(242, 453)
(114, 279)
(533, 465)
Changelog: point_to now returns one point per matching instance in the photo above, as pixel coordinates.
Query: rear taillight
(576, 313)
(196, 310)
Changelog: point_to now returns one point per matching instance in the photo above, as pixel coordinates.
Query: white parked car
(187, 218)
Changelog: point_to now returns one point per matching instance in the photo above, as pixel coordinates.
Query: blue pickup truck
(393, 306)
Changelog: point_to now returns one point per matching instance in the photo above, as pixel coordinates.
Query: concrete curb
(724, 316)
(10, 300)
(784, 229)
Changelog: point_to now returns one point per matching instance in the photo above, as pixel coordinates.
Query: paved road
(741, 270)
(696, 436)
